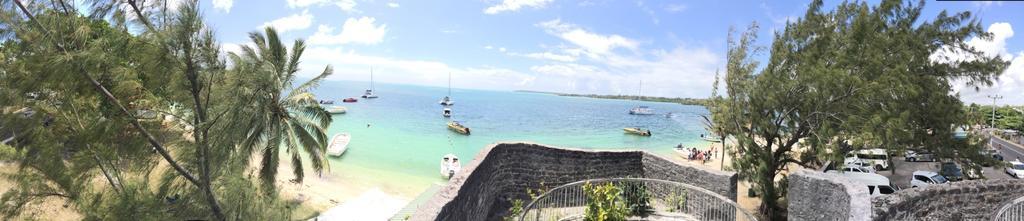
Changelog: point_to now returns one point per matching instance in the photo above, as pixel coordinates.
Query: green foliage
(604, 203)
(677, 201)
(73, 87)
(517, 204)
(515, 211)
(854, 77)
(638, 199)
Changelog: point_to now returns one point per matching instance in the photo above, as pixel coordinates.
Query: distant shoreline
(683, 101)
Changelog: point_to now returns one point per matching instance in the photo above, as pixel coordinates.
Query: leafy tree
(855, 77)
(279, 114)
(82, 91)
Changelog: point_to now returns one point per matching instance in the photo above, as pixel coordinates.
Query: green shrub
(604, 203)
(638, 199)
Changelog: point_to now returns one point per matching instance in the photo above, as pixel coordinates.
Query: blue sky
(589, 46)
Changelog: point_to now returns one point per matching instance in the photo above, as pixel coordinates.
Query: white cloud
(675, 7)
(515, 5)
(393, 4)
(488, 47)
(590, 63)
(344, 5)
(1010, 84)
(547, 56)
(594, 44)
(291, 23)
(349, 65)
(355, 30)
(223, 5)
(502, 49)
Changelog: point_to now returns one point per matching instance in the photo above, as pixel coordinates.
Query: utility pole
(994, 97)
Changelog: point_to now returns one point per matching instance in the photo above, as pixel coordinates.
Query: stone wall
(821, 196)
(483, 190)
(965, 200)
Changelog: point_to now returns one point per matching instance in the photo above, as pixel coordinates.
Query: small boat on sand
(350, 100)
(450, 165)
(337, 110)
(637, 131)
(338, 145)
(682, 151)
(458, 127)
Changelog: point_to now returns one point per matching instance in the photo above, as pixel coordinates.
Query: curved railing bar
(1016, 202)
(533, 203)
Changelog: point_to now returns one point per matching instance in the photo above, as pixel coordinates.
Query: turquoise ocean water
(401, 149)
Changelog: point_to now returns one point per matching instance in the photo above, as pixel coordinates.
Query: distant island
(684, 101)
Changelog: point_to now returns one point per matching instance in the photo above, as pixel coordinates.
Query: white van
(878, 158)
(877, 184)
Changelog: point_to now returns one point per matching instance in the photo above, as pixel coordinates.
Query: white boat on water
(447, 112)
(447, 100)
(369, 92)
(640, 109)
(450, 165)
(338, 145)
(337, 110)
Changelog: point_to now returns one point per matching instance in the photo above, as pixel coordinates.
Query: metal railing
(1013, 211)
(644, 199)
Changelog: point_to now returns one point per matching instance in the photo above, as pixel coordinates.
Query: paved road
(1009, 150)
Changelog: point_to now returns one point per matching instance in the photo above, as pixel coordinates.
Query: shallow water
(401, 148)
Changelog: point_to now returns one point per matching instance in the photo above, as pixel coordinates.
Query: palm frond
(293, 64)
(312, 83)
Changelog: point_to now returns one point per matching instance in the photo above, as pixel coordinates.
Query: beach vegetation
(130, 110)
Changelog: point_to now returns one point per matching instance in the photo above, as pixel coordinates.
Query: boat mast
(449, 84)
(371, 78)
(639, 90)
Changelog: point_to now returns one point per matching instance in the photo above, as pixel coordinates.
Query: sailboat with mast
(369, 92)
(447, 100)
(640, 109)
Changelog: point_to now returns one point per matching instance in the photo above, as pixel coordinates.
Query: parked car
(919, 155)
(952, 171)
(858, 166)
(926, 178)
(877, 184)
(1016, 169)
(877, 158)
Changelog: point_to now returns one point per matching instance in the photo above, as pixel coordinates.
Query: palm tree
(279, 113)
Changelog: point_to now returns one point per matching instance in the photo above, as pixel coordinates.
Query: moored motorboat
(339, 144)
(458, 127)
(337, 110)
(450, 165)
(637, 131)
(350, 100)
(641, 110)
(446, 101)
(447, 112)
(327, 101)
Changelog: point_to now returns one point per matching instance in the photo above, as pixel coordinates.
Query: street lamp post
(994, 97)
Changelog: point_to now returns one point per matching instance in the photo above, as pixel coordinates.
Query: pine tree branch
(110, 97)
